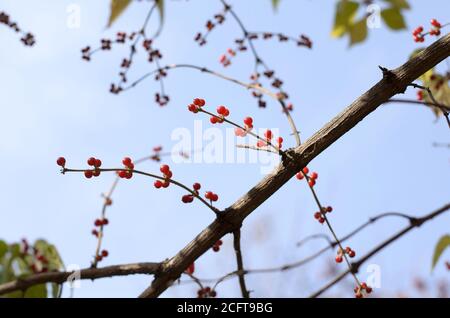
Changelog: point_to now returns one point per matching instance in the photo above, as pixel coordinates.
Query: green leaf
(401, 4)
(275, 4)
(3, 249)
(358, 32)
(38, 291)
(345, 13)
(117, 8)
(441, 245)
(393, 18)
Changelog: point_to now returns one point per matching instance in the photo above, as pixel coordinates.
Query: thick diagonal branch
(392, 83)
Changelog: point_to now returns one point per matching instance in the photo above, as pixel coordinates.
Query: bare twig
(356, 265)
(240, 263)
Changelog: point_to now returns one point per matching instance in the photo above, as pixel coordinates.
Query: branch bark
(88, 273)
(393, 82)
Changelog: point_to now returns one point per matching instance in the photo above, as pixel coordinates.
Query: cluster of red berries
(206, 292)
(99, 223)
(217, 245)
(419, 36)
(223, 112)
(128, 172)
(196, 104)
(96, 163)
(268, 135)
(211, 196)
(188, 198)
(248, 126)
(27, 38)
(167, 173)
(310, 178)
(225, 59)
(320, 216)
(339, 257)
(190, 270)
(359, 290)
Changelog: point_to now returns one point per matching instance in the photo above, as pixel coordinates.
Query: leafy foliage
(346, 21)
(18, 260)
(442, 244)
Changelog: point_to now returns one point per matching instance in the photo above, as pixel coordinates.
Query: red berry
(98, 163)
(123, 173)
(221, 110)
(91, 161)
(213, 293)
(248, 121)
(358, 295)
(98, 222)
(214, 120)
(314, 175)
(208, 194)
(368, 290)
(219, 242)
(94, 232)
(338, 259)
(351, 253)
(435, 23)
(196, 186)
(268, 134)
(321, 220)
(105, 221)
(165, 184)
(157, 184)
(96, 173)
(305, 170)
(126, 161)
(105, 253)
(299, 176)
(317, 215)
(312, 183)
(88, 174)
(165, 169)
(61, 161)
(98, 258)
(187, 198)
(199, 102)
(214, 197)
(192, 108)
(435, 32)
(329, 209)
(216, 248)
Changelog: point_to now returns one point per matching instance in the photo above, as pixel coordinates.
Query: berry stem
(179, 184)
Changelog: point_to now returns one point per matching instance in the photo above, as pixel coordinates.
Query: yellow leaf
(393, 18)
(345, 14)
(117, 8)
(442, 244)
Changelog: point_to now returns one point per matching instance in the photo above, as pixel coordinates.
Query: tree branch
(393, 82)
(356, 265)
(87, 273)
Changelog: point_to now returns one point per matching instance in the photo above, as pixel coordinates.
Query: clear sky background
(53, 103)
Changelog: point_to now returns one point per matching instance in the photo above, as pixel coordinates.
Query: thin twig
(240, 263)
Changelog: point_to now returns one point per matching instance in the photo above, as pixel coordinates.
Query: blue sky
(53, 104)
